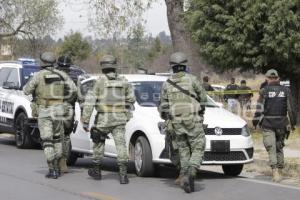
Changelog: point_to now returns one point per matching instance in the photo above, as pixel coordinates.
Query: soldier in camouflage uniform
(275, 114)
(113, 99)
(185, 110)
(64, 64)
(50, 87)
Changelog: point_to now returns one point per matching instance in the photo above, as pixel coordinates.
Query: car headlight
(246, 131)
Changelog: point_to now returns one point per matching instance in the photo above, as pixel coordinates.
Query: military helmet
(64, 61)
(108, 62)
(178, 58)
(48, 58)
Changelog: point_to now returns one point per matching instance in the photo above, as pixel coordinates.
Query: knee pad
(48, 144)
(56, 139)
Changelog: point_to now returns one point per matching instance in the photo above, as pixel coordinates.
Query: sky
(76, 19)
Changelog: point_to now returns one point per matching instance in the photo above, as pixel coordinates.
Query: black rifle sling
(186, 92)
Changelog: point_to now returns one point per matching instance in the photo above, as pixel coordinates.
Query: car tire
(143, 157)
(72, 157)
(232, 170)
(22, 135)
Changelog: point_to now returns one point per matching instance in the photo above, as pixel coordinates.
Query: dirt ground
(291, 170)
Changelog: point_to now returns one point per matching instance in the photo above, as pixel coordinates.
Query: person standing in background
(232, 99)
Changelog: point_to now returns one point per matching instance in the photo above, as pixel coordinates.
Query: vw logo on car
(218, 131)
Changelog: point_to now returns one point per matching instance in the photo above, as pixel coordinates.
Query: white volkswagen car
(228, 140)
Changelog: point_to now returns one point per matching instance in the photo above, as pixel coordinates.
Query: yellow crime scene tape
(232, 92)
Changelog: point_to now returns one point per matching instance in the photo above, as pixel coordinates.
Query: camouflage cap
(48, 58)
(178, 58)
(108, 61)
(272, 73)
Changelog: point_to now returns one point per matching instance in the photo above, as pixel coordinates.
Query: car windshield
(147, 93)
(28, 72)
(210, 103)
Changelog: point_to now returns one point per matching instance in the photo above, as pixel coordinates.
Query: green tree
(75, 46)
(34, 18)
(155, 49)
(114, 18)
(249, 34)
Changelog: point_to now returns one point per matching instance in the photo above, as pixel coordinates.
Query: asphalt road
(22, 177)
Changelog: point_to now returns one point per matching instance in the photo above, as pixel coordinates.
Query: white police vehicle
(15, 111)
(228, 139)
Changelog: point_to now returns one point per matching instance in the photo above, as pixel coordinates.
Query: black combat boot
(124, 179)
(185, 183)
(52, 174)
(123, 173)
(188, 181)
(192, 175)
(56, 168)
(95, 172)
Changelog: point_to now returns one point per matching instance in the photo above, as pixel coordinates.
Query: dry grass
(294, 140)
(291, 171)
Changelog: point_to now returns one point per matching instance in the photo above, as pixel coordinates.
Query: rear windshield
(28, 71)
(147, 93)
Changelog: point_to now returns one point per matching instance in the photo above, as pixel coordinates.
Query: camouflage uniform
(68, 125)
(111, 97)
(187, 125)
(63, 64)
(49, 99)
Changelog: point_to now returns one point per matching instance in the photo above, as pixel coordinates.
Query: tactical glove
(255, 122)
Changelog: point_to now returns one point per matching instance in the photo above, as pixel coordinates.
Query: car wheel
(143, 157)
(72, 157)
(232, 170)
(22, 137)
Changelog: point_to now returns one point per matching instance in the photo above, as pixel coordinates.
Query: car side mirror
(10, 85)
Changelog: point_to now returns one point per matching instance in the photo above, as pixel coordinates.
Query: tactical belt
(48, 146)
(110, 108)
(50, 102)
(56, 139)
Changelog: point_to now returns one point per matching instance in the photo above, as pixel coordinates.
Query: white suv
(228, 140)
(15, 111)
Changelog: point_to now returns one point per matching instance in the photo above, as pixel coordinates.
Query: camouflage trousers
(68, 126)
(118, 133)
(273, 140)
(191, 145)
(51, 130)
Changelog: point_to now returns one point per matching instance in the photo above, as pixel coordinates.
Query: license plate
(220, 145)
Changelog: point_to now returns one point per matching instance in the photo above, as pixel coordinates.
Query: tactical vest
(180, 103)
(51, 87)
(275, 100)
(112, 98)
